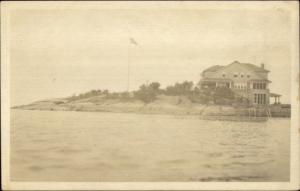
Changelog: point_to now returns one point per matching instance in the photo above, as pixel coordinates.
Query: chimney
(262, 65)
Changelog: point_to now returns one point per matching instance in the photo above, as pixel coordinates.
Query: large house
(246, 80)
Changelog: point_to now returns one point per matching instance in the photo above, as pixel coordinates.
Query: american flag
(132, 41)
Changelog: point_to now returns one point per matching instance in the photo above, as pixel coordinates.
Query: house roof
(247, 65)
(213, 68)
(254, 67)
(216, 79)
(274, 95)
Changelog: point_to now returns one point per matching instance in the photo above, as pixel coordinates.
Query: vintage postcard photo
(150, 95)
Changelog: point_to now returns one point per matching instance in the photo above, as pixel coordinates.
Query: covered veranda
(215, 82)
(276, 98)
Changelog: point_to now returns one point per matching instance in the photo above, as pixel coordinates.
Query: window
(235, 75)
(224, 75)
(248, 76)
(266, 101)
(260, 98)
(261, 86)
(242, 75)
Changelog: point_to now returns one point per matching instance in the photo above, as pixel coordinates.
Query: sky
(60, 52)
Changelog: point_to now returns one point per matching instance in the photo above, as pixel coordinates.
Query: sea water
(99, 146)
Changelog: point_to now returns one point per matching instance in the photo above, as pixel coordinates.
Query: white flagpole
(128, 66)
(130, 42)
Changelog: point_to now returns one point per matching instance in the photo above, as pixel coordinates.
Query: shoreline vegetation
(180, 99)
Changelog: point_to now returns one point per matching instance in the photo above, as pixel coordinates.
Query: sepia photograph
(150, 95)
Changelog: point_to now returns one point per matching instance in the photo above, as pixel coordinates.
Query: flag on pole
(132, 41)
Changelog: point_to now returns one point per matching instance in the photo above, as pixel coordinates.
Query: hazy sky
(57, 52)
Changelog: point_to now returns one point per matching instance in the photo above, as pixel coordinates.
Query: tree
(223, 95)
(147, 93)
(155, 86)
(184, 88)
(124, 96)
(224, 92)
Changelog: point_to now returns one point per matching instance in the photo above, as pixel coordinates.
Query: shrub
(89, 94)
(200, 96)
(147, 93)
(112, 95)
(183, 88)
(124, 96)
(223, 96)
(220, 95)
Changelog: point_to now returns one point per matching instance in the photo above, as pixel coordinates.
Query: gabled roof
(254, 67)
(247, 65)
(213, 68)
(216, 79)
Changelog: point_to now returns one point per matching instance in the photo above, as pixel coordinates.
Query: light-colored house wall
(233, 69)
(242, 80)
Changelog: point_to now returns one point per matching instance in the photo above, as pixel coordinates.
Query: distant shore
(174, 105)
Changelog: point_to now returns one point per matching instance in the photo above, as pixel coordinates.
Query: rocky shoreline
(174, 105)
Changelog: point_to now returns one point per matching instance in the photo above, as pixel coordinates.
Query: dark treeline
(149, 92)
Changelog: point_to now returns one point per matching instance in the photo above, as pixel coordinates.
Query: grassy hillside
(180, 99)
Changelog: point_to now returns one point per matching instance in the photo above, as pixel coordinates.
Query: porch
(216, 82)
(276, 98)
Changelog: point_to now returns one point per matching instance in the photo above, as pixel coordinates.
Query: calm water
(84, 146)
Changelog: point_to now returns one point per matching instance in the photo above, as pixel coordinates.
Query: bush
(154, 86)
(125, 96)
(112, 95)
(224, 92)
(220, 95)
(223, 96)
(183, 88)
(241, 101)
(200, 96)
(147, 93)
(89, 94)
